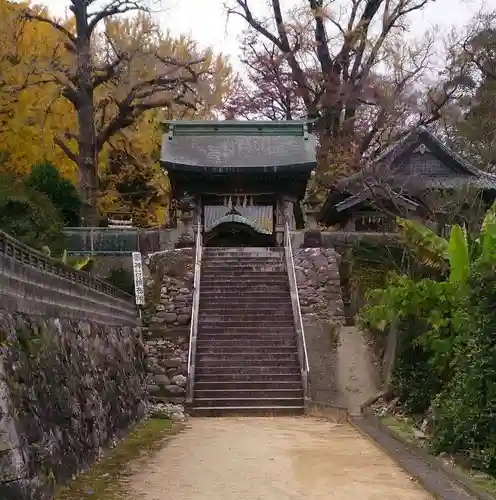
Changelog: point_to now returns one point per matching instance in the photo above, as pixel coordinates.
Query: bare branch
(66, 149)
(114, 8)
(31, 16)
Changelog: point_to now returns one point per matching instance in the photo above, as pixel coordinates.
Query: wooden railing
(194, 316)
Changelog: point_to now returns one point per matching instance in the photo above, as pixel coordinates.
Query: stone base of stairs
(247, 411)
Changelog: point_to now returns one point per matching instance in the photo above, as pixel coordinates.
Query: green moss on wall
(104, 480)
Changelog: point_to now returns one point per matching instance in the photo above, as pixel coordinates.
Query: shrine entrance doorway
(236, 234)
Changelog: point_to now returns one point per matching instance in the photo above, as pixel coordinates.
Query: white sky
(205, 20)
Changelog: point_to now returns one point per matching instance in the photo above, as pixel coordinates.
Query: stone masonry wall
(169, 284)
(319, 289)
(67, 388)
(319, 285)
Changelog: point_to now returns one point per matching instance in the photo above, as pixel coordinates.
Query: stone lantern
(311, 213)
(186, 207)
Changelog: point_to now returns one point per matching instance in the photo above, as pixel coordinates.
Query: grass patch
(485, 482)
(404, 429)
(105, 480)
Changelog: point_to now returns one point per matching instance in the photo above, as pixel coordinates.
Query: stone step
(240, 262)
(243, 266)
(226, 342)
(242, 402)
(224, 286)
(247, 377)
(274, 353)
(234, 370)
(215, 289)
(209, 254)
(258, 278)
(235, 362)
(249, 393)
(247, 272)
(255, 278)
(277, 265)
(238, 338)
(265, 325)
(248, 295)
(248, 328)
(241, 305)
(245, 411)
(208, 300)
(247, 320)
(243, 252)
(235, 312)
(213, 348)
(246, 385)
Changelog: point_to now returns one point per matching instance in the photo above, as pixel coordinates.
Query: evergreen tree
(46, 179)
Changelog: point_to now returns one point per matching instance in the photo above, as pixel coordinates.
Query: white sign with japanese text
(139, 288)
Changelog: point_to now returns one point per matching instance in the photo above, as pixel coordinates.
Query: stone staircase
(246, 354)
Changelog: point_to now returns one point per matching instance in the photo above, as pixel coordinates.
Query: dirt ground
(271, 459)
(356, 376)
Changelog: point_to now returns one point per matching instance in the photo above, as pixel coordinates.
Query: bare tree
(80, 74)
(267, 90)
(351, 71)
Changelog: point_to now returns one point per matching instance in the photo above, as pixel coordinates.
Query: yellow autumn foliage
(30, 117)
(33, 115)
(142, 139)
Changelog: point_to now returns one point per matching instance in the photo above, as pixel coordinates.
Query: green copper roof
(224, 145)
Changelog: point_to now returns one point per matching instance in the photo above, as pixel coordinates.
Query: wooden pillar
(280, 223)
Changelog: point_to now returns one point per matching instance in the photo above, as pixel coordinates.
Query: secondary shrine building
(244, 180)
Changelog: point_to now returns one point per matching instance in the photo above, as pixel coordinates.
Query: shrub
(429, 315)
(29, 215)
(466, 408)
(46, 179)
(121, 278)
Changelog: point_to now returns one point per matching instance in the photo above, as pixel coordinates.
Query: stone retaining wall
(67, 388)
(169, 284)
(319, 289)
(35, 284)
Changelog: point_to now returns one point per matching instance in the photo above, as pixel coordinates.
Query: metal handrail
(194, 316)
(293, 284)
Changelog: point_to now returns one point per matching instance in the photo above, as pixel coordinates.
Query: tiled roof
(231, 145)
(408, 169)
(458, 172)
(238, 151)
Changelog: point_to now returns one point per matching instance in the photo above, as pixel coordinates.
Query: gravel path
(271, 459)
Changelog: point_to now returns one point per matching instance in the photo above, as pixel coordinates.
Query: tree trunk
(87, 162)
(87, 139)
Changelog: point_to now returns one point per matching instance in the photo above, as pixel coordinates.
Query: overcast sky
(205, 20)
